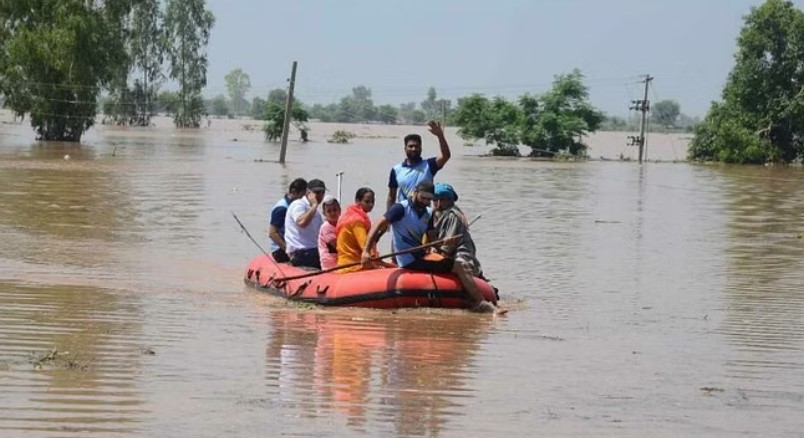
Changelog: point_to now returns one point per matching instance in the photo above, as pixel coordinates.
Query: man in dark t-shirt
(276, 228)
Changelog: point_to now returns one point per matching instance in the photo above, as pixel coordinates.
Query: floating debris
(709, 390)
(50, 356)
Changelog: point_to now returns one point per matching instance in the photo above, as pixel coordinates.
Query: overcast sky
(500, 47)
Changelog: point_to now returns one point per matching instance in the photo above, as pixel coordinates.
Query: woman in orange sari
(352, 231)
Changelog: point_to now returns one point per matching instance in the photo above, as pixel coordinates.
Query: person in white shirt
(302, 224)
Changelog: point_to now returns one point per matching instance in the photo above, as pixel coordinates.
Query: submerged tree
(126, 105)
(435, 108)
(188, 24)
(430, 105)
(257, 110)
(761, 117)
(56, 56)
(238, 83)
(666, 112)
(274, 116)
(387, 114)
(497, 121)
(147, 45)
(551, 123)
(219, 106)
(168, 102)
(357, 107)
(559, 119)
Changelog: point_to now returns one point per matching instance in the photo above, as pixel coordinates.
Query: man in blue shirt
(409, 221)
(414, 169)
(276, 229)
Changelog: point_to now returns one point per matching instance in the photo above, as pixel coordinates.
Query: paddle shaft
(351, 265)
(243, 227)
(393, 254)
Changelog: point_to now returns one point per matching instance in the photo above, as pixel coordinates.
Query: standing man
(302, 225)
(406, 175)
(276, 229)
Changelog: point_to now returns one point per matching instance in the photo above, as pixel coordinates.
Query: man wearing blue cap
(450, 221)
(409, 222)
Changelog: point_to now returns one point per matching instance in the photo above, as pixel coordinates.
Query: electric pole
(288, 111)
(644, 107)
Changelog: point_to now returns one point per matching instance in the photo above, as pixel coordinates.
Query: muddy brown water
(662, 300)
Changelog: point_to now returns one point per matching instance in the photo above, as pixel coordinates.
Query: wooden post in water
(288, 112)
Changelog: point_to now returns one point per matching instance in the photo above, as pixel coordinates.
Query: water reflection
(640, 287)
(69, 357)
(52, 209)
(412, 371)
(764, 314)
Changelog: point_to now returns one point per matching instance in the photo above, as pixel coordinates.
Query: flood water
(657, 300)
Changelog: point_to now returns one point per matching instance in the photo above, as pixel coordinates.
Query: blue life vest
(408, 233)
(282, 203)
(407, 177)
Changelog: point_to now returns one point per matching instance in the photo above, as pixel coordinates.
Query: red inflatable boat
(377, 288)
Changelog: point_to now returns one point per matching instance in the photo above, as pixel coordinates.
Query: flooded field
(661, 300)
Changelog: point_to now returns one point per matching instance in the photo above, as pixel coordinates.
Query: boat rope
(435, 294)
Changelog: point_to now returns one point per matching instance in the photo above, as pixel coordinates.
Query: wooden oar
(373, 259)
(243, 227)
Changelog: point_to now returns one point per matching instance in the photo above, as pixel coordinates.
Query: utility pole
(288, 107)
(644, 125)
(443, 112)
(644, 107)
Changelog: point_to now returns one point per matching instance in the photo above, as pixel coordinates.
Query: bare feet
(483, 307)
(487, 307)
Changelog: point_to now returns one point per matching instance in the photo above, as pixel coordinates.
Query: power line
(387, 90)
(656, 98)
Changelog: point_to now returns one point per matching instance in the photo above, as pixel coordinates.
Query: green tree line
(760, 118)
(357, 107)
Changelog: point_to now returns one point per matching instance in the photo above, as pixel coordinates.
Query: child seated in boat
(327, 251)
